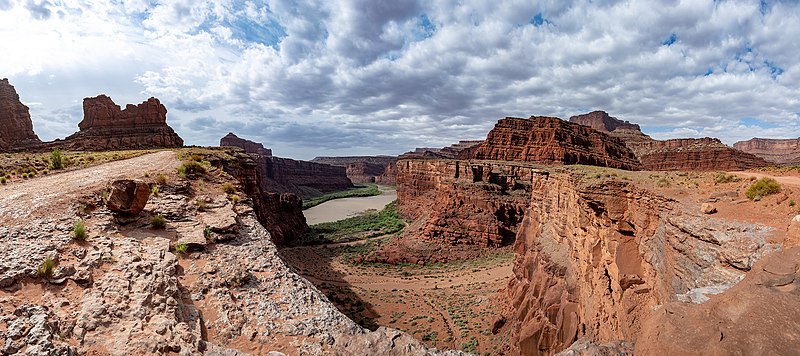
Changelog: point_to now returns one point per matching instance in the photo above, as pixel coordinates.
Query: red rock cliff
(16, 127)
(364, 169)
(105, 126)
(693, 154)
(249, 146)
(551, 140)
(593, 260)
(601, 121)
(772, 150)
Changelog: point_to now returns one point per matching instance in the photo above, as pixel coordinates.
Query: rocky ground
(210, 281)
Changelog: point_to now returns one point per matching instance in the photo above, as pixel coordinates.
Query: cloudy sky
(335, 77)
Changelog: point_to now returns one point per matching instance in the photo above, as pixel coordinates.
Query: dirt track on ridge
(37, 196)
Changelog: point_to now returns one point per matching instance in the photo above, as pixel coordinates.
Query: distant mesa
(685, 154)
(249, 146)
(16, 127)
(106, 126)
(550, 140)
(365, 169)
(778, 151)
(462, 150)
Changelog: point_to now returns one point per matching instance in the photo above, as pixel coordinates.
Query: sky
(364, 77)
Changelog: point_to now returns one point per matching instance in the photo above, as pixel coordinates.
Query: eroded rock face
(128, 196)
(16, 127)
(106, 126)
(462, 150)
(593, 260)
(601, 121)
(285, 175)
(772, 150)
(249, 146)
(550, 140)
(364, 169)
(693, 154)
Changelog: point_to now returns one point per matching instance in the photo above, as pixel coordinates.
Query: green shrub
(207, 232)
(234, 198)
(55, 159)
(45, 270)
(663, 183)
(228, 188)
(154, 190)
(161, 179)
(79, 231)
(191, 169)
(181, 247)
(792, 202)
(762, 187)
(146, 174)
(723, 177)
(158, 222)
(201, 204)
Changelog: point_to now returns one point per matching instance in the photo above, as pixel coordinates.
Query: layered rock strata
(693, 154)
(249, 146)
(601, 121)
(16, 127)
(365, 169)
(550, 140)
(285, 175)
(106, 126)
(777, 151)
(462, 150)
(594, 260)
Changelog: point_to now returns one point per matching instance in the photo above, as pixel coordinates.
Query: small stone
(707, 208)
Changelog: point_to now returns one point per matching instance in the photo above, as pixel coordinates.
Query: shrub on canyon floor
(228, 188)
(723, 177)
(161, 179)
(154, 191)
(762, 188)
(158, 222)
(79, 231)
(191, 169)
(55, 159)
(181, 248)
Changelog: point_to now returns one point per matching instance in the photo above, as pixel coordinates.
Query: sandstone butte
(106, 126)
(16, 127)
(284, 175)
(686, 154)
(542, 139)
(778, 151)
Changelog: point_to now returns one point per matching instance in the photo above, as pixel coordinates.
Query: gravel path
(41, 195)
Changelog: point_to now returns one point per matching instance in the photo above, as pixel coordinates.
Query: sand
(339, 209)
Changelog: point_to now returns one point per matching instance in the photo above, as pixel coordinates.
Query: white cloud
(363, 77)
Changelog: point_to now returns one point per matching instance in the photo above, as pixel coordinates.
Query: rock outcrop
(593, 260)
(105, 126)
(550, 140)
(16, 127)
(601, 121)
(693, 154)
(249, 146)
(462, 150)
(777, 151)
(286, 175)
(128, 196)
(364, 169)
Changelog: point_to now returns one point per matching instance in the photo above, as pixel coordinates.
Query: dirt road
(35, 197)
(783, 180)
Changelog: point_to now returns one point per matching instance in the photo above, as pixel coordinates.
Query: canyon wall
(693, 154)
(105, 126)
(462, 150)
(549, 140)
(364, 169)
(601, 121)
(773, 150)
(285, 175)
(16, 127)
(593, 261)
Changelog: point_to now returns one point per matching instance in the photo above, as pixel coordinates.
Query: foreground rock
(776, 151)
(105, 126)
(128, 196)
(550, 140)
(16, 127)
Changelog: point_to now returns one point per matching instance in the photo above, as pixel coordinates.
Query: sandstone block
(128, 196)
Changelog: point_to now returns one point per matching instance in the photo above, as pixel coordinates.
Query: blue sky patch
(424, 28)
(671, 40)
(539, 20)
(751, 121)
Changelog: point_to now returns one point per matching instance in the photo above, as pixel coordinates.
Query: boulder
(128, 196)
(707, 208)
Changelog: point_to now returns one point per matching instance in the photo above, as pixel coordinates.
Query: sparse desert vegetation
(762, 188)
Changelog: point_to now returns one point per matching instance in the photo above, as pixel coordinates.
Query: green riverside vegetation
(370, 224)
(361, 190)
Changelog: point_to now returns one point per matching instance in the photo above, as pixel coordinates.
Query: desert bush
(663, 183)
(191, 169)
(79, 231)
(201, 204)
(723, 177)
(55, 159)
(234, 198)
(763, 187)
(228, 188)
(45, 269)
(181, 247)
(158, 222)
(161, 179)
(207, 232)
(3, 180)
(154, 191)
